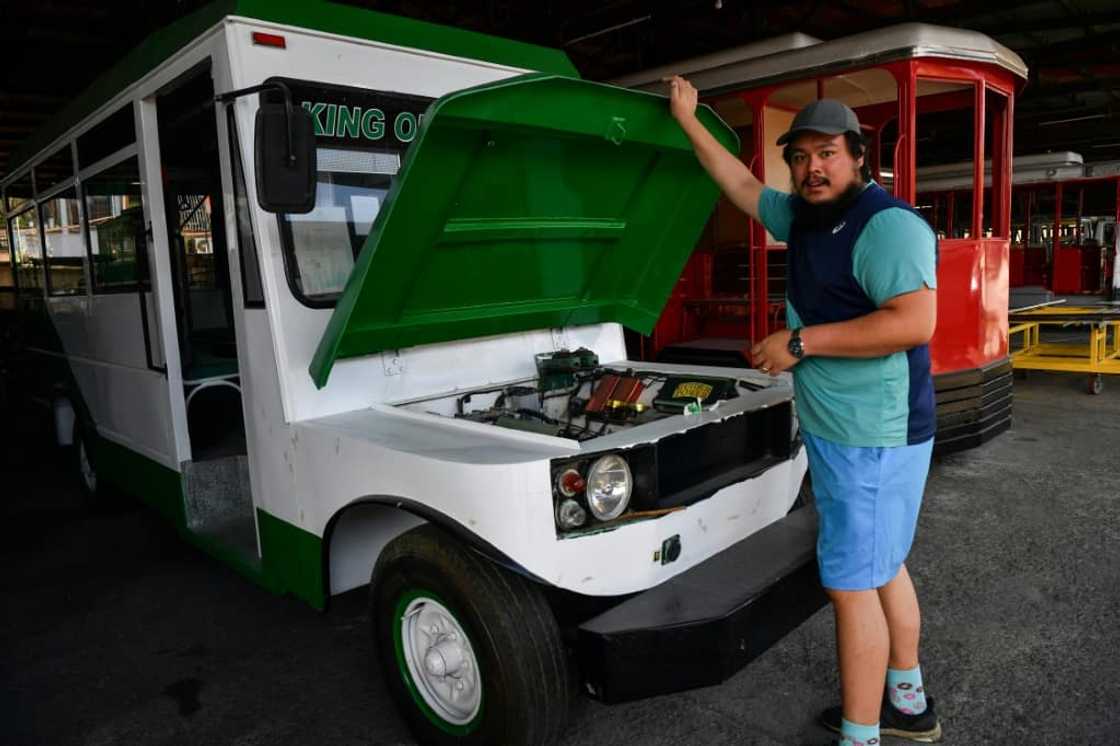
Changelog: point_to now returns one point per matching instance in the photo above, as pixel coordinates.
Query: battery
(614, 389)
(678, 393)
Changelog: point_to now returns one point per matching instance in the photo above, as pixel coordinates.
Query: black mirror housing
(286, 168)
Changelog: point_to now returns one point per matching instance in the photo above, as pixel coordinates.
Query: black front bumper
(973, 406)
(704, 625)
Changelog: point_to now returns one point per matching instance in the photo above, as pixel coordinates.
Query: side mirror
(286, 158)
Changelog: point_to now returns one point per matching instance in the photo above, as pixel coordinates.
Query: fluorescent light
(616, 27)
(1073, 119)
(337, 160)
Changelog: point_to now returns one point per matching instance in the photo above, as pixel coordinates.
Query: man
(861, 308)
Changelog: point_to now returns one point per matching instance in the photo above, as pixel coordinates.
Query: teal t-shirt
(861, 401)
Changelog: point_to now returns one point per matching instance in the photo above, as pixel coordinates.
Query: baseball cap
(825, 115)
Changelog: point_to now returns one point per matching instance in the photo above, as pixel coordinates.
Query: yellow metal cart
(1099, 357)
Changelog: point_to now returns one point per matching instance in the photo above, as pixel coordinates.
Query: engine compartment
(574, 397)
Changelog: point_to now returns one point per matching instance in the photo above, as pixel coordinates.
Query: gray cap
(825, 115)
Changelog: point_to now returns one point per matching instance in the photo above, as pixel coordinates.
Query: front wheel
(471, 652)
(1096, 384)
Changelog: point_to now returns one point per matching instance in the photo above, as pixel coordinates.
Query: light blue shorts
(868, 501)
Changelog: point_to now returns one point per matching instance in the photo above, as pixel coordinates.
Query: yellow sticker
(692, 390)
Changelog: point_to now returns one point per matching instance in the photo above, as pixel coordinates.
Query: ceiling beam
(1064, 89)
(997, 28)
(1060, 51)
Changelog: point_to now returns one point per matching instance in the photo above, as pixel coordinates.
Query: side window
(946, 113)
(251, 286)
(65, 252)
(115, 223)
(28, 249)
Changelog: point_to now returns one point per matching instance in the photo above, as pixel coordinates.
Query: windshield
(362, 136)
(348, 195)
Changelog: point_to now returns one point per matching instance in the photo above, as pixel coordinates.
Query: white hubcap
(441, 661)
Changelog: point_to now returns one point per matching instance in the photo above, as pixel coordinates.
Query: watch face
(795, 348)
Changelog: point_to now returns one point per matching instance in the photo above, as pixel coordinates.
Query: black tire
(1096, 384)
(84, 467)
(805, 497)
(522, 665)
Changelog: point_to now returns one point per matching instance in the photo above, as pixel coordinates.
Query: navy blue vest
(823, 289)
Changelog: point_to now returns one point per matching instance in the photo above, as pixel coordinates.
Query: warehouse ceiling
(54, 48)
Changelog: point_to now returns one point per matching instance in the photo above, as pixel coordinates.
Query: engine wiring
(564, 411)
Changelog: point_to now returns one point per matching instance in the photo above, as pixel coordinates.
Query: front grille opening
(692, 465)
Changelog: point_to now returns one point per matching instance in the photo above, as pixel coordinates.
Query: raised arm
(732, 176)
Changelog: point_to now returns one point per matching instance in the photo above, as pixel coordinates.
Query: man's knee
(845, 599)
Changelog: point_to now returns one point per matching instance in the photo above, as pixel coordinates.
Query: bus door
(218, 496)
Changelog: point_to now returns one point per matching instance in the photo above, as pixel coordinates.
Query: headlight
(570, 514)
(609, 484)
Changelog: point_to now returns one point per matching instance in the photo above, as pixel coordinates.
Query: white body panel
(496, 483)
(104, 342)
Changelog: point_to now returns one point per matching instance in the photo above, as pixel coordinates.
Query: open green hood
(536, 202)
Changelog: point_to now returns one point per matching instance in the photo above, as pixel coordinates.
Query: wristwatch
(794, 346)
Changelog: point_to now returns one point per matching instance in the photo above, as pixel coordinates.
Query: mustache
(822, 216)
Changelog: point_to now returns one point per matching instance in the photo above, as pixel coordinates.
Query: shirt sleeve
(896, 253)
(775, 212)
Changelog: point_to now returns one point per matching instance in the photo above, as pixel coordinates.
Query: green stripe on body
(292, 557)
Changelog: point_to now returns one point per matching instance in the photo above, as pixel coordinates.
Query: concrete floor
(115, 632)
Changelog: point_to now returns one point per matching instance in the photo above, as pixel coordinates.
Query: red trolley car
(926, 96)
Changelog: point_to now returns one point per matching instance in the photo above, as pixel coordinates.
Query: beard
(826, 214)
